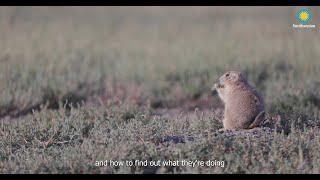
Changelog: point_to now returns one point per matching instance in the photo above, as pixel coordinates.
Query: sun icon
(304, 15)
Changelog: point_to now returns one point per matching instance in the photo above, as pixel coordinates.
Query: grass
(80, 85)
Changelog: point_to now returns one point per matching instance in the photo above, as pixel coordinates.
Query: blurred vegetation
(80, 84)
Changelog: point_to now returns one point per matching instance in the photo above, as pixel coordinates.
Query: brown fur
(244, 106)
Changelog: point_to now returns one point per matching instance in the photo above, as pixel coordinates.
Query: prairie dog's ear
(244, 74)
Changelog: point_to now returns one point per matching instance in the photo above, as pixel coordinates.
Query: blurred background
(163, 57)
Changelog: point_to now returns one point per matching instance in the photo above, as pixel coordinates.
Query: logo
(304, 17)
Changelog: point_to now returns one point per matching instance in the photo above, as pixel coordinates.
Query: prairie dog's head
(232, 78)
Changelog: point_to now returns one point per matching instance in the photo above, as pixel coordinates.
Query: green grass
(80, 85)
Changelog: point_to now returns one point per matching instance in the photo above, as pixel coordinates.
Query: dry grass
(80, 84)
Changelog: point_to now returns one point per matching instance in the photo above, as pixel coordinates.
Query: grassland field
(86, 84)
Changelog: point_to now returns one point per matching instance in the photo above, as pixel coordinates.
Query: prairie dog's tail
(258, 120)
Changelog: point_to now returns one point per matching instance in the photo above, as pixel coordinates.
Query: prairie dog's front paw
(216, 87)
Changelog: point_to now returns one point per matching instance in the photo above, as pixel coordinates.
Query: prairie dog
(243, 105)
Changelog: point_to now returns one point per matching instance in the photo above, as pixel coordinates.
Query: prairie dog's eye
(227, 75)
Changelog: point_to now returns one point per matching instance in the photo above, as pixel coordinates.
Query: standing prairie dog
(243, 105)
